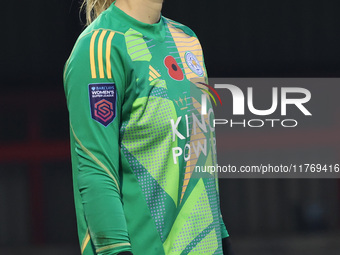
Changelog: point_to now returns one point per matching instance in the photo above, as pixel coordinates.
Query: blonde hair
(93, 8)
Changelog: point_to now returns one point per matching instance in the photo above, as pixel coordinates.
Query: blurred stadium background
(241, 38)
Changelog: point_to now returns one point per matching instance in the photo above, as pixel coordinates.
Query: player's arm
(94, 96)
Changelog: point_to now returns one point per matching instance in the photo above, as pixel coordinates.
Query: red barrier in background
(35, 149)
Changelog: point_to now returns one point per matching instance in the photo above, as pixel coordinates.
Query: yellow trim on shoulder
(85, 241)
(100, 54)
(92, 60)
(108, 55)
(112, 246)
(95, 159)
(79, 39)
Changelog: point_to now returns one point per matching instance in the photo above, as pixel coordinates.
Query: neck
(147, 11)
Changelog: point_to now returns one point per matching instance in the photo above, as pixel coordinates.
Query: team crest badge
(103, 99)
(193, 63)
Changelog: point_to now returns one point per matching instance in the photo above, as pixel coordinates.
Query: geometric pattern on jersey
(198, 239)
(198, 145)
(159, 91)
(196, 217)
(210, 185)
(155, 196)
(215, 206)
(209, 162)
(215, 225)
(158, 83)
(136, 46)
(148, 137)
(154, 78)
(198, 141)
(208, 245)
(186, 43)
(153, 73)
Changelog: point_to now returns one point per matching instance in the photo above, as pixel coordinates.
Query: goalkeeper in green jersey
(133, 84)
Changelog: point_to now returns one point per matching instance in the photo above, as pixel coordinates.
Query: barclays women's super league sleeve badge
(103, 99)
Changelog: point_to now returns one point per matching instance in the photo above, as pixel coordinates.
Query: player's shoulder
(97, 40)
(96, 34)
(180, 26)
(104, 29)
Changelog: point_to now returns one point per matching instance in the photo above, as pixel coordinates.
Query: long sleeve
(94, 86)
(224, 232)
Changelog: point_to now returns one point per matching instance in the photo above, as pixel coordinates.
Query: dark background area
(241, 38)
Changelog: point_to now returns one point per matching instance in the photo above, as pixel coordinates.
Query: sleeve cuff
(224, 231)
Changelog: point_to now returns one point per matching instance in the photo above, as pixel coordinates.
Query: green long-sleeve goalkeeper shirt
(137, 136)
